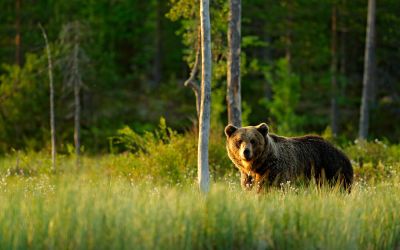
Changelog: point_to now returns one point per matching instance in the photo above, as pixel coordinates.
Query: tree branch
(191, 81)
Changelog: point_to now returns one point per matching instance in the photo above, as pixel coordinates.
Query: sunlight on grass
(74, 212)
(148, 199)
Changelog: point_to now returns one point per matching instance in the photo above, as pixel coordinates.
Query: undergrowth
(143, 195)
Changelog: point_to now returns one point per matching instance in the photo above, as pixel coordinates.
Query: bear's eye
(238, 142)
(252, 141)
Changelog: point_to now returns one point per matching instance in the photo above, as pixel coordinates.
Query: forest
(134, 57)
(112, 114)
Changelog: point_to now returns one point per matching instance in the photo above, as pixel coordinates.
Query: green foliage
(148, 198)
(165, 156)
(218, 107)
(373, 152)
(285, 86)
(125, 39)
(165, 153)
(374, 161)
(246, 111)
(23, 91)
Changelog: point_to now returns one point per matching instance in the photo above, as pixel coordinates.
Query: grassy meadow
(95, 82)
(145, 197)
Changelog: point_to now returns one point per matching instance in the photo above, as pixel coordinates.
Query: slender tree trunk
(343, 40)
(369, 71)
(52, 120)
(342, 12)
(77, 86)
(233, 75)
(334, 87)
(158, 55)
(204, 121)
(289, 27)
(18, 60)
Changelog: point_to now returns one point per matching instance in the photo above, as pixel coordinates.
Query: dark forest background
(135, 55)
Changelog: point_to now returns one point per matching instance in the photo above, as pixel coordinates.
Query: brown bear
(265, 158)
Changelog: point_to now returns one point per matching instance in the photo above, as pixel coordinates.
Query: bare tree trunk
(289, 26)
(18, 32)
(204, 121)
(342, 14)
(343, 40)
(369, 71)
(77, 86)
(334, 87)
(52, 120)
(233, 82)
(157, 58)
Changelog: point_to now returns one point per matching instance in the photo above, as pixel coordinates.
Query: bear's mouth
(247, 159)
(247, 164)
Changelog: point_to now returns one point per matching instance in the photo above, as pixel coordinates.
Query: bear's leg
(246, 181)
(259, 181)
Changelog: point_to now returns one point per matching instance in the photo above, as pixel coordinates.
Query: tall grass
(82, 212)
(143, 196)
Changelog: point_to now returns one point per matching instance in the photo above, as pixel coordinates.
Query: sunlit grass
(149, 200)
(82, 212)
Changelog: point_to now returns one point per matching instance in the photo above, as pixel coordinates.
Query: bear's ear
(230, 129)
(263, 129)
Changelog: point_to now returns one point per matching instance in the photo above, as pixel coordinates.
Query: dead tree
(77, 83)
(205, 104)
(72, 37)
(233, 96)
(52, 120)
(369, 71)
(334, 85)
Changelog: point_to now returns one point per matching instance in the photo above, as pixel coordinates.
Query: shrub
(169, 157)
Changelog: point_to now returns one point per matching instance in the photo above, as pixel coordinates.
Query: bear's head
(247, 144)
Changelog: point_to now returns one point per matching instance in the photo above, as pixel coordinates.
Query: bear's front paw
(247, 181)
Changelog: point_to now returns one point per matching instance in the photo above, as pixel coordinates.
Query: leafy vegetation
(143, 196)
(134, 187)
(125, 40)
(165, 156)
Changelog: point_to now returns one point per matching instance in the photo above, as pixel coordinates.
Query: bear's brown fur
(265, 158)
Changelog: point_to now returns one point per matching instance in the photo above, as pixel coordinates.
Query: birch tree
(369, 71)
(233, 75)
(205, 103)
(52, 120)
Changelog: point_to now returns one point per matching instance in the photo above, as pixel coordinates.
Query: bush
(168, 157)
(373, 152)
(374, 160)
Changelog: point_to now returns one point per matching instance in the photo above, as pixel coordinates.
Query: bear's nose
(246, 153)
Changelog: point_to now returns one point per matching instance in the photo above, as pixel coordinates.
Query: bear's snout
(247, 154)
